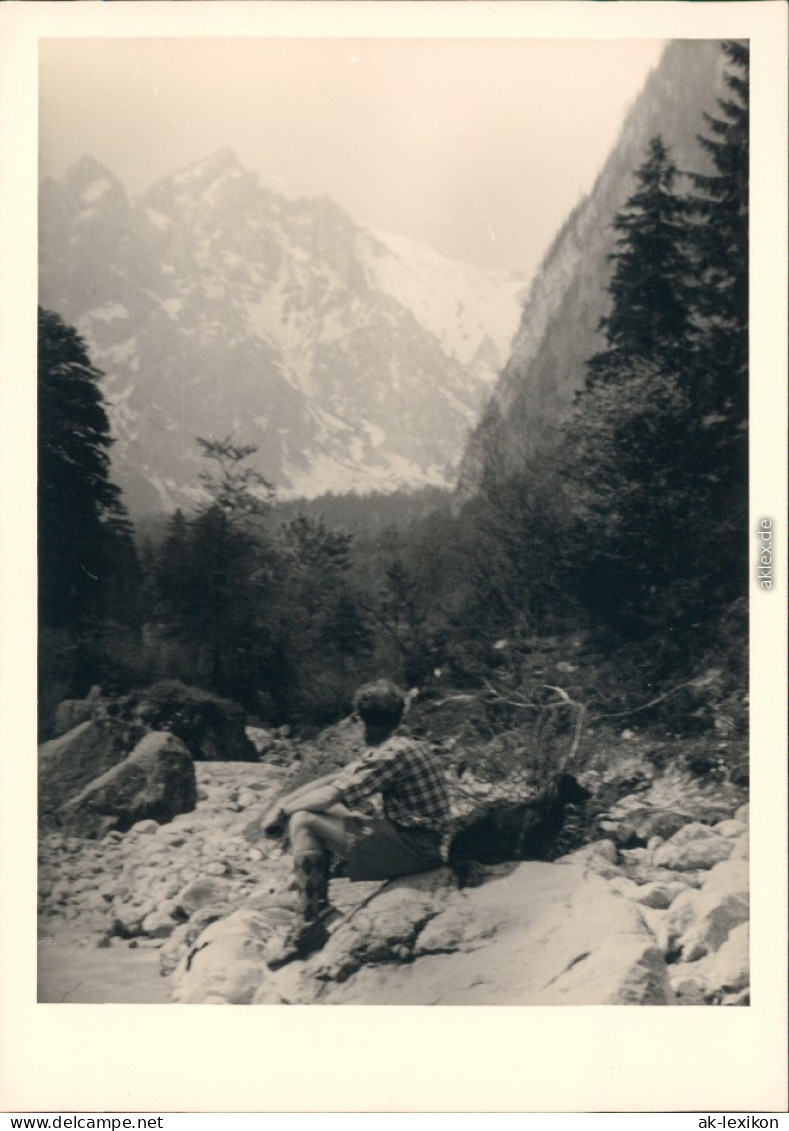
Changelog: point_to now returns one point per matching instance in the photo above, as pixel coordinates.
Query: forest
(616, 557)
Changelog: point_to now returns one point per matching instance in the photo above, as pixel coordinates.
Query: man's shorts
(388, 850)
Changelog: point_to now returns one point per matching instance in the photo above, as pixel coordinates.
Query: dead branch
(521, 703)
(580, 717)
(644, 706)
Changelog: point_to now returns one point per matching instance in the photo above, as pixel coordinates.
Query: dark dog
(505, 830)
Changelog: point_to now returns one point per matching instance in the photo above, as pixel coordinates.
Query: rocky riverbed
(184, 910)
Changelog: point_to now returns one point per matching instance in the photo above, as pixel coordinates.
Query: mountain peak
(85, 168)
(206, 169)
(347, 367)
(87, 189)
(203, 180)
(88, 178)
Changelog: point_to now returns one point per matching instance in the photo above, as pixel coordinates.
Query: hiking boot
(302, 939)
(311, 930)
(311, 883)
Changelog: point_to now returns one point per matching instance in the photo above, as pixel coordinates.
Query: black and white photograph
(398, 534)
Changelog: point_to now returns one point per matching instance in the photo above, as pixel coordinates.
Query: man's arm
(316, 799)
(316, 796)
(307, 788)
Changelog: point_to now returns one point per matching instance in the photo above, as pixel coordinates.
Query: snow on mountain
(468, 309)
(352, 360)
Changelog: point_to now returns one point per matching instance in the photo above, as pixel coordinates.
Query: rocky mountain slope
(353, 360)
(558, 331)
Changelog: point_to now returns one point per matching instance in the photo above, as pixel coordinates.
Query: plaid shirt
(407, 777)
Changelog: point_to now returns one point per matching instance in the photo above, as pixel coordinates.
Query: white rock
(226, 963)
(158, 924)
(692, 831)
(729, 967)
(92, 902)
(700, 921)
(61, 891)
(623, 886)
(730, 828)
(174, 838)
(689, 982)
(702, 852)
(743, 814)
(658, 894)
(606, 849)
(729, 875)
(540, 935)
(202, 892)
(215, 868)
(128, 917)
(145, 828)
(657, 922)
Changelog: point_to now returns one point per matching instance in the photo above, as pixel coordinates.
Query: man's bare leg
(314, 832)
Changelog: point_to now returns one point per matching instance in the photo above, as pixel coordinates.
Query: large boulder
(729, 967)
(536, 934)
(68, 763)
(722, 977)
(157, 781)
(226, 964)
(211, 728)
(700, 921)
(694, 846)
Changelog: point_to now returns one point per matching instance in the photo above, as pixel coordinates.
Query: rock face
(156, 781)
(559, 328)
(69, 763)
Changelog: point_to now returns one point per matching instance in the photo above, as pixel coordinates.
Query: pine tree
(173, 569)
(229, 564)
(85, 548)
(657, 450)
(650, 286)
(720, 208)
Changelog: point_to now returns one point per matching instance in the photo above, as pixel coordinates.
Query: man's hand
(275, 823)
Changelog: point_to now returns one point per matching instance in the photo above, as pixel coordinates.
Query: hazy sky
(479, 148)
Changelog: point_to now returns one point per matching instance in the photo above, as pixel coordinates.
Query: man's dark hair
(381, 703)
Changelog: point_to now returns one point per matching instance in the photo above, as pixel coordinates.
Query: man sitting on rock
(322, 820)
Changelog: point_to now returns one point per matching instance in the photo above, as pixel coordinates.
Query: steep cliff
(558, 330)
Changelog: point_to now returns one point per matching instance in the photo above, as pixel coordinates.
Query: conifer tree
(173, 569)
(85, 548)
(719, 390)
(651, 283)
(720, 208)
(655, 447)
(228, 561)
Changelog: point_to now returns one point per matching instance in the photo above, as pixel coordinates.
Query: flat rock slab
(541, 935)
